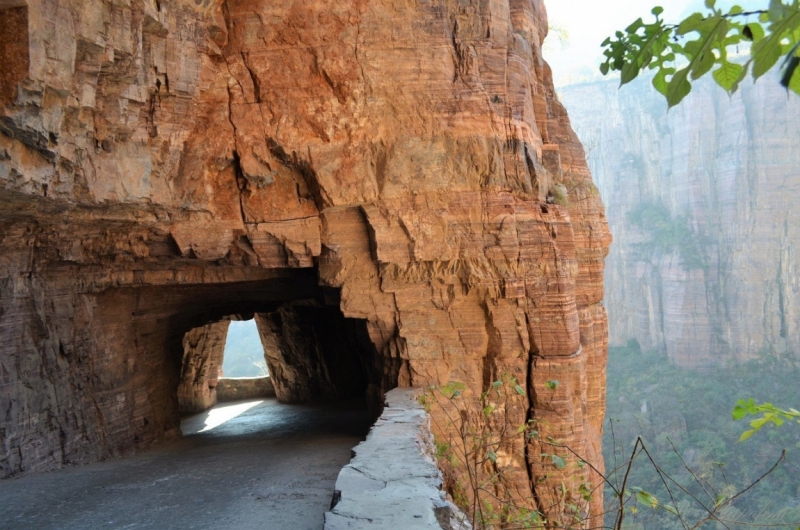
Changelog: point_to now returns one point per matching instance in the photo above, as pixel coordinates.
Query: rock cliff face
(702, 201)
(166, 164)
(202, 358)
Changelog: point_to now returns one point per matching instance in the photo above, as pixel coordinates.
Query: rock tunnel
(378, 196)
(313, 353)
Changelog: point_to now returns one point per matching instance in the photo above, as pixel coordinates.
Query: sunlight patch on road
(219, 415)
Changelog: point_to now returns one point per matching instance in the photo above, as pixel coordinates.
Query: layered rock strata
(166, 164)
(314, 353)
(702, 201)
(202, 359)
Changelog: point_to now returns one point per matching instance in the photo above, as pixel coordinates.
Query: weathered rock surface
(713, 276)
(166, 164)
(314, 353)
(392, 481)
(202, 359)
(238, 388)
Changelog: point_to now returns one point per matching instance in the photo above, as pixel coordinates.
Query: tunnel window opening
(243, 355)
(14, 49)
(223, 361)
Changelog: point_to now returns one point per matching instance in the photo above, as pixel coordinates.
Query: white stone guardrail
(393, 482)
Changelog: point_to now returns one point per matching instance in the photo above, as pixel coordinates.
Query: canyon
(701, 200)
(376, 182)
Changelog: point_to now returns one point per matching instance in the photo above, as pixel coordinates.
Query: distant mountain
(244, 354)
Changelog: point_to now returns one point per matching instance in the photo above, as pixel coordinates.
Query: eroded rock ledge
(167, 164)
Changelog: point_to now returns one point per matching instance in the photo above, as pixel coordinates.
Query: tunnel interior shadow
(314, 354)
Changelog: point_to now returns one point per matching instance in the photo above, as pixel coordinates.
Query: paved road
(271, 467)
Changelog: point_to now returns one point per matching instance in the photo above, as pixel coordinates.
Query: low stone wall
(392, 482)
(236, 388)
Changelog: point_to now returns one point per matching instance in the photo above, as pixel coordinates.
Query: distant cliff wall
(703, 202)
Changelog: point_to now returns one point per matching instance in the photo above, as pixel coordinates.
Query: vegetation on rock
(674, 408)
(679, 469)
(668, 234)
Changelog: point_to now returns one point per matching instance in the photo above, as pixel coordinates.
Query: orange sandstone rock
(165, 165)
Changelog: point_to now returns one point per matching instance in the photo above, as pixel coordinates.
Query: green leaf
(703, 65)
(585, 492)
(766, 53)
(518, 389)
(777, 9)
(642, 57)
(670, 508)
(678, 87)
(559, 461)
(710, 4)
(491, 455)
(657, 10)
(745, 435)
(635, 26)
(790, 64)
(552, 384)
(748, 404)
(629, 72)
(645, 498)
(726, 76)
(487, 410)
(753, 32)
(690, 24)
(660, 81)
(604, 68)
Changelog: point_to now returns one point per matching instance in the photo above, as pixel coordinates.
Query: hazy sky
(589, 22)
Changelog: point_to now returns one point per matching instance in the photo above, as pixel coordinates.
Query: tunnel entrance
(146, 356)
(310, 351)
